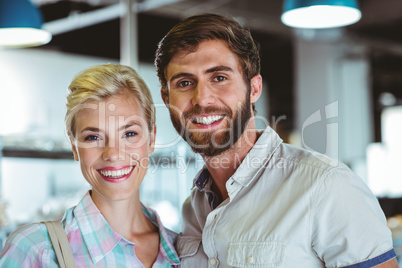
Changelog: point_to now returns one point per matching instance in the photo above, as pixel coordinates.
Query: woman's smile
(116, 174)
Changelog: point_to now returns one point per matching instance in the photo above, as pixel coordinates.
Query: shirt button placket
(250, 260)
(213, 262)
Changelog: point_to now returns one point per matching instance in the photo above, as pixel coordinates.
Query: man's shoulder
(292, 154)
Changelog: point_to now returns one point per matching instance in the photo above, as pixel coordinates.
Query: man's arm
(389, 264)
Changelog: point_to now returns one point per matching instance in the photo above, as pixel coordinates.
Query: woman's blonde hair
(102, 81)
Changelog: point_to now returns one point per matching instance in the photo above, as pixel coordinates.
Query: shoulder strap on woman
(60, 243)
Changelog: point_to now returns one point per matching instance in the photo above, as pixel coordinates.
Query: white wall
(333, 103)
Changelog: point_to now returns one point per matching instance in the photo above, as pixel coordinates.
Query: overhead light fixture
(319, 14)
(21, 24)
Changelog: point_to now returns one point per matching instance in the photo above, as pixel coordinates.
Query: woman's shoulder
(26, 244)
(34, 233)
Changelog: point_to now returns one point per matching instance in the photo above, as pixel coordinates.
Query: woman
(110, 121)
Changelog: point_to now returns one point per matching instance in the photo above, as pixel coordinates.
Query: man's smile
(206, 119)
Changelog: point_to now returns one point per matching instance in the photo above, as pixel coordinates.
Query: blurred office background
(336, 91)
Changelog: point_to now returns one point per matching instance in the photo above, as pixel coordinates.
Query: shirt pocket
(190, 252)
(256, 254)
(187, 246)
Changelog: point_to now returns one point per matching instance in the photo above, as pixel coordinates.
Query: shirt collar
(165, 236)
(203, 182)
(254, 161)
(258, 157)
(100, 238)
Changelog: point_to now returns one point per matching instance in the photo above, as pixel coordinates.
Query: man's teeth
(116, 173)
(206, 120)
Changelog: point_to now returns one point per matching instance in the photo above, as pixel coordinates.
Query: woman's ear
(73, 147)
(256, 87)
(152, 139)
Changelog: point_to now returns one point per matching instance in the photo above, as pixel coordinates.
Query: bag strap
(60, 243)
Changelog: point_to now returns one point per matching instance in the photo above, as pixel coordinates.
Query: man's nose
(203, 95)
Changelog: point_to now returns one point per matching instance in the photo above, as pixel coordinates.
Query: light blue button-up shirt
(287, 207)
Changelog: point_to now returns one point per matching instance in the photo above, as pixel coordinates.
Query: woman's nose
(111, 152)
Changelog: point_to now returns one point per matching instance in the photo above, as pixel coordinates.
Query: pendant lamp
(319, 14)
(20, 24)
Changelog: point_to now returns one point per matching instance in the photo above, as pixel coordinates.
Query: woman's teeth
(116, 173)
(206, 120)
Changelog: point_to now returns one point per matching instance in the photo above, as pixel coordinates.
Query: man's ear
(165, 95)
(152, 139)
(73, 147)
(256, 87)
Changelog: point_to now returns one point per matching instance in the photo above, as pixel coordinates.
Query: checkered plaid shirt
(92, 240)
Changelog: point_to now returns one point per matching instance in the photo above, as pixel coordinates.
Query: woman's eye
(91, 138)
(131, 134)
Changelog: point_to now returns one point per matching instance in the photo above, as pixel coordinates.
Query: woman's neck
(127, 218)
(124, 216)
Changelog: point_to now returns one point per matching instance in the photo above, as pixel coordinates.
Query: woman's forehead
(116, 109)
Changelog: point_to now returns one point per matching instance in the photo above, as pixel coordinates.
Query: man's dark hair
(190, 32)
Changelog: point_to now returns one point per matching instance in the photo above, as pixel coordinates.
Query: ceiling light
(318, 14)
(20, 24)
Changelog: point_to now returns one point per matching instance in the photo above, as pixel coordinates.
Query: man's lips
(116, 174)
(206, 119)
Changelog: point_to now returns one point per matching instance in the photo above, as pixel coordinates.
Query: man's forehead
(213, 55)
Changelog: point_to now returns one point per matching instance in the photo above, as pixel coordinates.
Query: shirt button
(250, 259)
(212, 261)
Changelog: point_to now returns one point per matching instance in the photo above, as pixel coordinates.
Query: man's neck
(223, 166)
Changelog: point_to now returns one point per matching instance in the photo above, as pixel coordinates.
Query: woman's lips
(116, 174)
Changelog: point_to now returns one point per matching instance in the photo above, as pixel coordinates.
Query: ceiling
(380, 30)
(380, 26)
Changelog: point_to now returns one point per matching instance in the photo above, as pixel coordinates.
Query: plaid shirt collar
(100, 238)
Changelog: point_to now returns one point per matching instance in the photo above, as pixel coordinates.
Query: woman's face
(112, 143)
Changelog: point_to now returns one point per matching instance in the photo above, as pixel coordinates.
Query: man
(257, 202)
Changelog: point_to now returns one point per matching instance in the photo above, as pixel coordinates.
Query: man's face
(208, 100)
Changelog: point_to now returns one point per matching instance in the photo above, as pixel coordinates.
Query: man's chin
(210, 151)
(207, 146)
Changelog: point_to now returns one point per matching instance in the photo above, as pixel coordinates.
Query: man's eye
(219, 78)
(184, 84)
(91, 138)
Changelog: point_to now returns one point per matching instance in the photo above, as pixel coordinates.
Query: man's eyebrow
(180, 75)
(210, 70)
(219, 69)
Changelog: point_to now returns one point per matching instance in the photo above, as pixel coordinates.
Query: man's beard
(212, 144)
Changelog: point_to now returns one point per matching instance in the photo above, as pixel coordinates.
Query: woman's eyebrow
(91, 129)
(130, 124)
